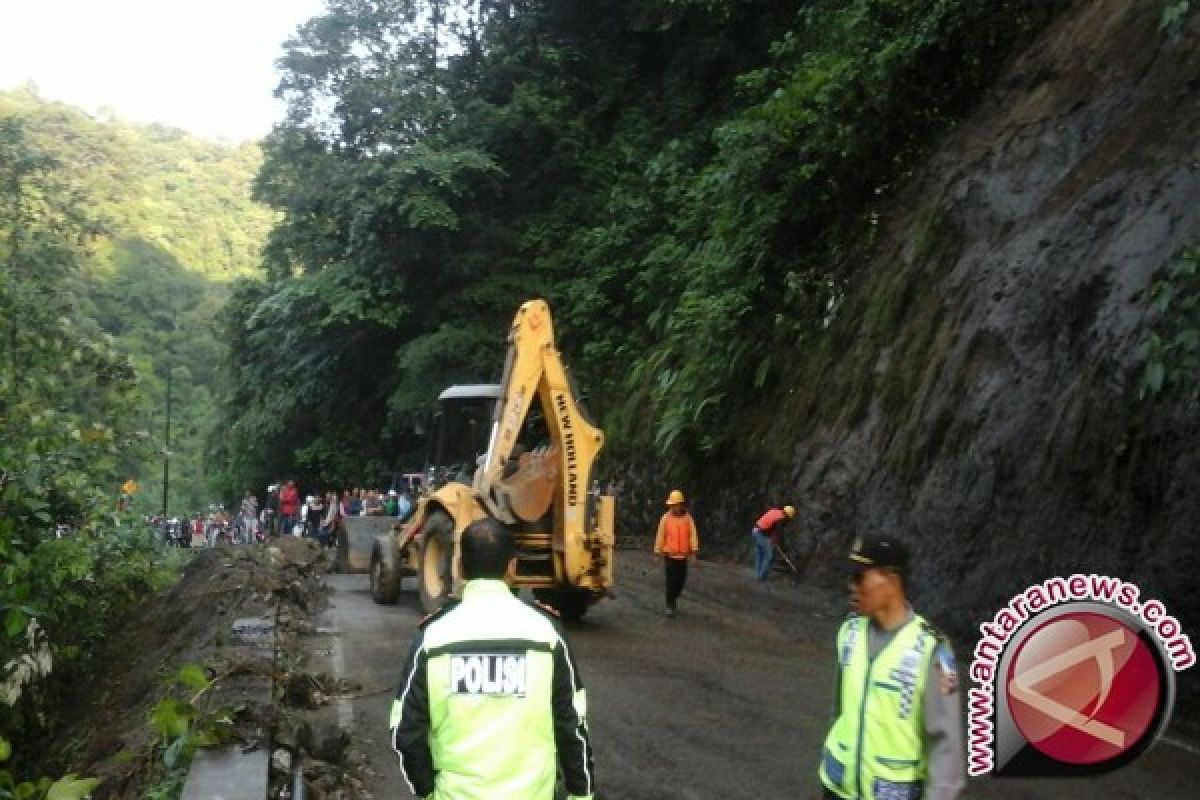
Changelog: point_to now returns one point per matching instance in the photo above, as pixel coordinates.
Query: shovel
(779, 550)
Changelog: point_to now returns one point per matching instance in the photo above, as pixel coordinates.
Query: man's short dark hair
(486, 548)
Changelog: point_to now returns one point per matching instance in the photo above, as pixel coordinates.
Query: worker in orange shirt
(677, 543)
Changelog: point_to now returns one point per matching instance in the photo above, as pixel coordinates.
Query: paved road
(728, 700)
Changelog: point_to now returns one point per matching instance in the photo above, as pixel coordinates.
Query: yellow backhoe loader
(533, 476)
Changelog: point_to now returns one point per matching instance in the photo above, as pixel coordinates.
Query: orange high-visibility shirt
(676, 537)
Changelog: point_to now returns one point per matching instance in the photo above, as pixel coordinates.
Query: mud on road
(730, 699)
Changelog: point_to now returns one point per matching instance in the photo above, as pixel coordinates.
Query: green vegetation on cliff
(117, 248)
(694, 186)
(68, 432)
(152, 226)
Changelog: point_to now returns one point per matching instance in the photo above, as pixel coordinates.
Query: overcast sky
(207, 66)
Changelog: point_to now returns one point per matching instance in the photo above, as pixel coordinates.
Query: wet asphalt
(728, 699)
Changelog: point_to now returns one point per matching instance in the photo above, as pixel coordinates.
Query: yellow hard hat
(675, 498)
(790, 511)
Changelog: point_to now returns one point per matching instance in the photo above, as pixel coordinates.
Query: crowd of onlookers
(199, 529)
(284, 512)
(317, 515)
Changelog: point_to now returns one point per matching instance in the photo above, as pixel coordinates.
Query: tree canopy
(131, 236)
(692, 185)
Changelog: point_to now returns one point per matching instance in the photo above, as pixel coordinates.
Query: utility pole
(167, 433)
(167, 442)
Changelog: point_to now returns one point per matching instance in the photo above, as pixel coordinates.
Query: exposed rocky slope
(1022, 448)
(984, 399)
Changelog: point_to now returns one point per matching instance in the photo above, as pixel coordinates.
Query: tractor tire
(571, 604)
(385, 578)
(436, 575)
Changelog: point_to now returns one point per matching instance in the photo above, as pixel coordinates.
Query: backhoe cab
(532, 475)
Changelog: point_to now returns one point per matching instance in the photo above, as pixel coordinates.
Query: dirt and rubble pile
(194, 622)
(308, 739)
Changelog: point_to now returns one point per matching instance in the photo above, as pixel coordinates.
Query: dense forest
(118, 245)
(694, 187)
(145, 229)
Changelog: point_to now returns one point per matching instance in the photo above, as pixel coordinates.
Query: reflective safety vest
(875, 749)
(676, 536)
(490, 704)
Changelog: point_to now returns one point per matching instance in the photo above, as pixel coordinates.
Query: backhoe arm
(534, 368)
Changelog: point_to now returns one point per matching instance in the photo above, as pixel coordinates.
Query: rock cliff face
(998, 341)
(1003, 432)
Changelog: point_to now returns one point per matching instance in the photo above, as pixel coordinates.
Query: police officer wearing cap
(490, 704)
(897, 722)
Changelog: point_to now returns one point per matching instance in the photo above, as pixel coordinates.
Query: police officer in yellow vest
(897, 722)
(490, 704)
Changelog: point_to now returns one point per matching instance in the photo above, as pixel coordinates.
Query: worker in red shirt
(676, 543)
(766, 534)
(289, 504)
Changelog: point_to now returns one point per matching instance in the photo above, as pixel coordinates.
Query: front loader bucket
(356, 538)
